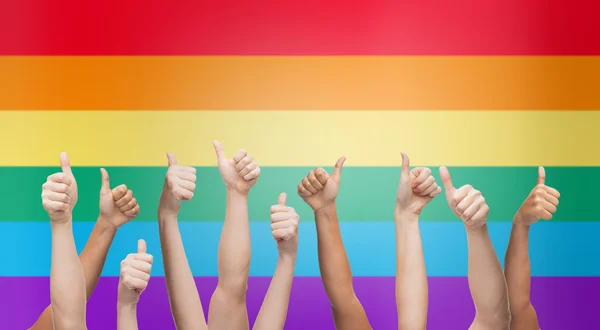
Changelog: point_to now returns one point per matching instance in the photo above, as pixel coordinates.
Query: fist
(117, 206)
(416, 188)
(284, 225)
(319, 189)
(180, 184)
(466, 202)
(541, 202)
(57, 197)
(240, 172)
(135, 274)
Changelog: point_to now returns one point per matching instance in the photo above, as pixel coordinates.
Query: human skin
(117, 207)
(416, 188)
(284, 227)
(228, 303)
(486, 280)
(133, 280)
(540, 204)
(319, 190)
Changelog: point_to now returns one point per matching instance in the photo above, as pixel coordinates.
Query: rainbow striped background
(492, 89)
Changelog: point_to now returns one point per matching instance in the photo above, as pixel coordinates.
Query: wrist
(105, 223)
(287, 256)
(403, 215)
(326, 210)
(476, 229)
(519, 220)
(231, 191)
(126, 307)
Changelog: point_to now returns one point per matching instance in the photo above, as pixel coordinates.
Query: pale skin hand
(486, 280)
(117, 207)
(417, 187)
(284, 226)
(133, 280)
(319, 190)
(228, 303)
(540, 204)
(180, 183)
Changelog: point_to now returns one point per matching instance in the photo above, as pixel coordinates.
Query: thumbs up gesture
(117, 206)
(319, 189)
(240, 172)
(135, 274)
(466, 202)
(416, 188)
(180, 184)
(284, 224)
(59, 193)
(541, 202)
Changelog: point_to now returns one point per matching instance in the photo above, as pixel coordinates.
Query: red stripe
(300, 27)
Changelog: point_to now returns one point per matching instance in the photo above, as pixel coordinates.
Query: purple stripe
(561, 302)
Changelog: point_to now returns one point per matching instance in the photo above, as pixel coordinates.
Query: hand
(59, 193)
(318, 189)
(540, 204)
(135, 274)
(466, 202)
(416, 188)
(240, 173)
(180, 184)
(284, 224)
(117, 206)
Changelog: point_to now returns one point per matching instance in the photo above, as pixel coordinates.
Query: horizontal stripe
(366, 194)
(129, 138)
(561, 303)
(293, 27)
(300, 83)
(370, 247)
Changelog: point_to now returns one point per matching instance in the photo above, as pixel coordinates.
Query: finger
(303, 191)
(467, 201)
(427, 191)
(133, 212)
(282, 199)
(184, 194)
(482, 213)
(426, 184)
(322, 176)
(243, 163)
(405, 170)
(187, 185)
(551, 191)
(306, 184)
(239, 155)
(282, 216)
(129, 206)
(281, 225)
(145, 257)
(337, 169)
(281, 209)
(126, 199)
(282, 234)
(105, 182)
(218, 149)
(252, 175)
(139, 275)
(57, 187)
(545, 214)
(65, 163)
(140, 265)
(119, 192)
(436, 191)
(171, 159)
(56, 206)
(471, 210)
(57, 197)
(541, 175)
(312, 178)
(249, 168)
(548, 206)
(551, 199)
(424, 174)
(447, 182)
(61, 178)
(142, 246)
(185, 175)
(460, 194)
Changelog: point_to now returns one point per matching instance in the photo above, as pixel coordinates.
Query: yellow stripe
(287, 138)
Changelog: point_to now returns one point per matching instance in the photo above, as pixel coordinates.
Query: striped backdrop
(491, 89)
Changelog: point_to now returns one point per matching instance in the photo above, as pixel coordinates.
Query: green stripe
(367, 193)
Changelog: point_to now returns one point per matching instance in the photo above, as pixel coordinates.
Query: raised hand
(240, 172)
(466, 202)
(541, 202)
(135, 274)
(284, 224)
(180, 184)
(59, 193)
(416, 188)
(117, 206)
(319, 189)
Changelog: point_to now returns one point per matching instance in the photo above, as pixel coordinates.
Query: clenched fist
(319, 189)
(240, 172)
(135, 274)
(59, 193)
(416, 188)
(117, 206)
(466, 202)
(180, 184)
(284, 224)
(541, 202)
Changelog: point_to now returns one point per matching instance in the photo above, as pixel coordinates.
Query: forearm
(234, 246)
(94, 253)
(486, 280)
(127, 317)
(67, 284)
(274, 309)
(411, 277)
(183, 294)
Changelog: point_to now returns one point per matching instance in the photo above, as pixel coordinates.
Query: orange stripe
(300, 83)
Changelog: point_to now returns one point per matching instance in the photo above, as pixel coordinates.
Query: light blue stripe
(556, 249)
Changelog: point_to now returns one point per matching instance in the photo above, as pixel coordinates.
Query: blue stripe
(556, 249)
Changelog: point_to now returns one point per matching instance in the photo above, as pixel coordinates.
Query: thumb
(218, 149)
(65, 163)
(282, 198)
(105, 181)
(405, 172)
(541, 175)
(337, 170)
(171, 158)
(142, 246)
(447, 181)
